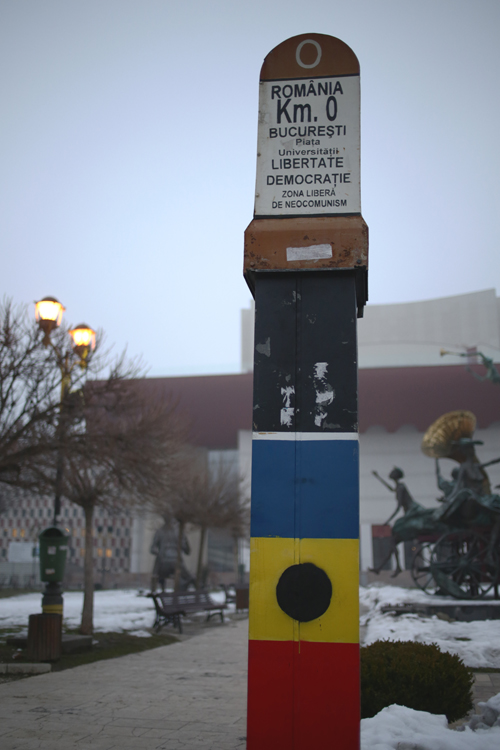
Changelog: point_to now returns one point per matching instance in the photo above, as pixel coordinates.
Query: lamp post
(53, 542)
(48, 313)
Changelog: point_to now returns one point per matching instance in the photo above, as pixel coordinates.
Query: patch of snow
(401, 728)
(492, 703)
(480, 646)
(488, 716)
(140, 633)
(114, 611)
(218, 597)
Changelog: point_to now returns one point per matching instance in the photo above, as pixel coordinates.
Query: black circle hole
(304, 592)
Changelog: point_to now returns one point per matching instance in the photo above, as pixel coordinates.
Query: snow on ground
(476, 643)
(128, 610)
(114, 611)
(400, 728)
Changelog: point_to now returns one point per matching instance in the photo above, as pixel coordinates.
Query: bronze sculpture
(164, 547)
(491, 370)
(458, 542)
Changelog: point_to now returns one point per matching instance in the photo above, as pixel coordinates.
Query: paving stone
(114, 731)
(161, 724)
(20, 744)
(144, 743)
(23, 733)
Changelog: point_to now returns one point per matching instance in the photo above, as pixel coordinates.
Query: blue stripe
(305, 489)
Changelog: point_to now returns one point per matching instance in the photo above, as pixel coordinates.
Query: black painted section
(304, 592)
(361, 282)
(302, 319)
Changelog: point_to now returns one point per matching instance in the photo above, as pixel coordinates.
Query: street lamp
(83, 342)
(48, 314)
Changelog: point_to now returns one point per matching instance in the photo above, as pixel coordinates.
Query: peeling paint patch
(265, 348)
(324, 398)
(324, 393)
(320, 369)
(288, 411)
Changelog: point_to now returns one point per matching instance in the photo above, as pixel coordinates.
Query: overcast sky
(128, 152)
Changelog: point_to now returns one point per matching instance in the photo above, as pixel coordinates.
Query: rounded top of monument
(309, 56)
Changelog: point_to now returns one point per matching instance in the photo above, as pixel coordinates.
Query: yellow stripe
(52, 609)
(339, 558)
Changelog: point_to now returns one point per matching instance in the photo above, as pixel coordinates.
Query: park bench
(171, 606)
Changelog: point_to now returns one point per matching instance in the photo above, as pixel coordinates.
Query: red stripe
(303, 696)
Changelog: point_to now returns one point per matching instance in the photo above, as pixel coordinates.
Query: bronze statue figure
(491, 370)
(457, 542)
(164, 546)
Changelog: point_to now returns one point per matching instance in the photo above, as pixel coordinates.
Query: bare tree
(30, 398)
(87, 432)
(201, 494)
(222, 507)
(121, 459)
(181, 499)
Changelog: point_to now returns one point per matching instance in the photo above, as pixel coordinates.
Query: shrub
(415, 675)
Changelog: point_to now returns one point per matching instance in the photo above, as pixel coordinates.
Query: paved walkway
(187, 695)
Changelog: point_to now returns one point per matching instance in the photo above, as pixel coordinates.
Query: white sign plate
(308, 155)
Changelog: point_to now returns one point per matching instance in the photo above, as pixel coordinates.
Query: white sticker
(51, 550)
(313, 252)
(49, 571)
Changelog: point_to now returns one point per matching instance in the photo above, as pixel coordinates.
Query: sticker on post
(50, 571)
(51, 550)
(313, 252)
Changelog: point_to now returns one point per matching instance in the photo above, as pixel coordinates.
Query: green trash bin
(53, 549)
